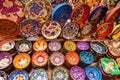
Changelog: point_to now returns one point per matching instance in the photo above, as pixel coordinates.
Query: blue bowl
(86, 58)
(93, 73)
(61, 13)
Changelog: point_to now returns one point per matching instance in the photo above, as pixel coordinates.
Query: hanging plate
(80, 13)
(61, 13)
(30, 28)
(11, 9)
(97, 14)
(112, 15)
(8, 28)
(70, 30)
(104, 29)
(51, 29)
(39, 10)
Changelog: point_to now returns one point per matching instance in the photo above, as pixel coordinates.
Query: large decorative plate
(112, 15)
(97, 14)
(8, 28)
(7, 45)
(104, 29)
(93, 73)
(5, 60)
(70, 30)
(30, 28)
(11, 9)
(80, 13)
(18, 75)
(21, 61)
(88, 29)
(61, 13)
(38, 9)
(40, 58)
(51, 29)
(39, 74)
(77, 73)
(57, 58)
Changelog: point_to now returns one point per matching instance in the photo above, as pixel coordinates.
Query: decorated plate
(30, 28)
(60, 73)
(61, 13)
(82, 45)
(39, 74)
(77, 73)
(8, 28)
(40, 58)
(70, 30)
(54, 46)
(97, 14)
(69, 45)
(23, 45)
(3, 75)
(5, 60)
(86, 57)
(98, 47)
(11, 9)
(39, 10)
(72, 58)
(109, 66)
(51, 29)
(7, 45)
(116, 32)
(93, 73)
(21, 61)
(88, 29)
(18, 75)
(57, 58)
(40, 45)
(112, 15)
(80, 13)
(104, 29)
